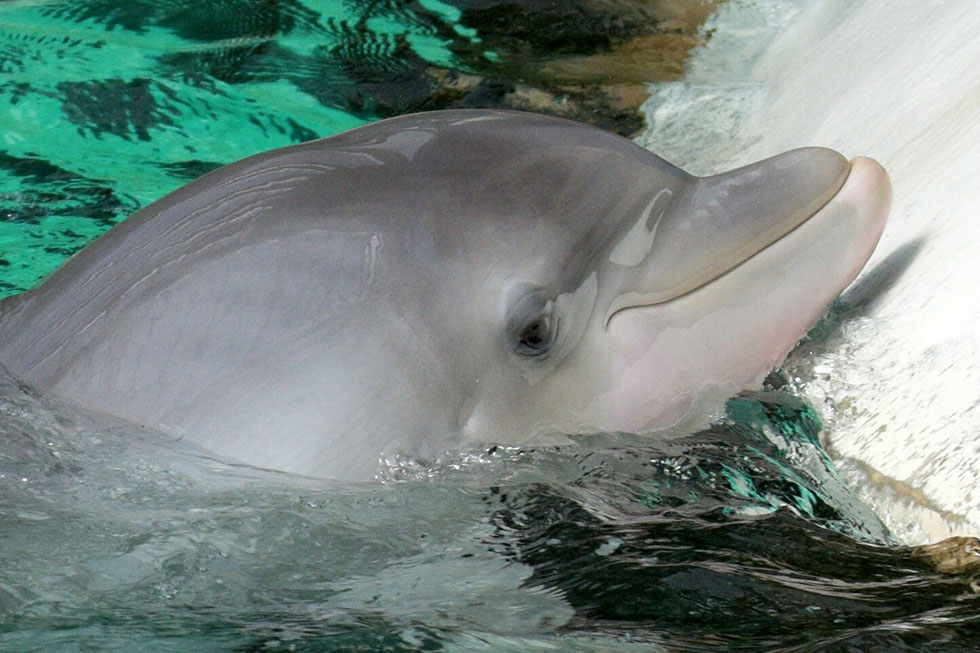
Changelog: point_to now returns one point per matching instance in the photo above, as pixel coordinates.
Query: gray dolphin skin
(443, 280)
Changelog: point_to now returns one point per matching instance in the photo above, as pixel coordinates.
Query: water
(116, 538)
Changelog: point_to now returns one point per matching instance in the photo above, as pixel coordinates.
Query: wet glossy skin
(444, 279)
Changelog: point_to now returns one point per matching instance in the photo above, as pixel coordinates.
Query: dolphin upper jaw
(861, 183)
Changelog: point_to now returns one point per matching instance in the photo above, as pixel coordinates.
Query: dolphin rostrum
(443, 279)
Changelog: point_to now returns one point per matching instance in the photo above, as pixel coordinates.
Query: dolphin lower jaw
(745, 321)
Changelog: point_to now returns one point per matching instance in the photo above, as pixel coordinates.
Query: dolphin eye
(532, 325)
(536, 337)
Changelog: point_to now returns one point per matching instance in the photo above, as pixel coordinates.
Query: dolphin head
(445, 278)
(620, 293)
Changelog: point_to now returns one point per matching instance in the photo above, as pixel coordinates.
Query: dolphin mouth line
(854, 178)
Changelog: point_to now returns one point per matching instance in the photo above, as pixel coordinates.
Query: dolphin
(442, 280)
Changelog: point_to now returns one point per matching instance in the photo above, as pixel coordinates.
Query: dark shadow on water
(730, 544)
(860, 299)
(864, 295)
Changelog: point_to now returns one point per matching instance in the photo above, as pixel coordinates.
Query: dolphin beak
(714, 224)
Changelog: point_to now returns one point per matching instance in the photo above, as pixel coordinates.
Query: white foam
(897, 80)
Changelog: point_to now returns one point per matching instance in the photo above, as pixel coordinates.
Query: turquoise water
(112, 538)
(107, 106)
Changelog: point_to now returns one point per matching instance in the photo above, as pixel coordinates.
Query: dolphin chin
(441, 280)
